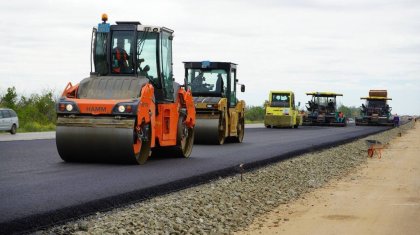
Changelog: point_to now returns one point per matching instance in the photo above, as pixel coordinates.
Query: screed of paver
(382, 197)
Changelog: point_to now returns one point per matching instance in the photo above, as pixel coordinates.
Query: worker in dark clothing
(119, 58)
(396, 120)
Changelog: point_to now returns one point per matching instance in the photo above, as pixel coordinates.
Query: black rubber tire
(185, 139)
(240, 131)
(144, 153)
(222, 136)
(13, 130)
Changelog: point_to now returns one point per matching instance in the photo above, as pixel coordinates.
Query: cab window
(99, 58)
(280, 100)
(122, 51)
(166, 65)
(146, 55)
(233, 88)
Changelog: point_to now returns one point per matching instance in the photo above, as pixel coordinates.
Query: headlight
(69, 107)
(66, 107)
(212, 106)
(121, 109)
(125, 108)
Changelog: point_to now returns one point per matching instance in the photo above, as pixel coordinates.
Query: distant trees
(254, 114)
(349, 111)
(36, 112)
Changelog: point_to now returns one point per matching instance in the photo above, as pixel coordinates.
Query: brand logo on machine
(96, 109)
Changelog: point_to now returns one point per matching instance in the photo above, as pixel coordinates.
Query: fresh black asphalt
(38, 189)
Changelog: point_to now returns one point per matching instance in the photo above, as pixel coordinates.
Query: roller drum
(96, 143)
(207, 131)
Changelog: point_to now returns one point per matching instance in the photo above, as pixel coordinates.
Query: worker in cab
(220, 85)
(197, 83)
(119, 58)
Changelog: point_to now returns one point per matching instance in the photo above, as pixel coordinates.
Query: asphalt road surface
(37, 188)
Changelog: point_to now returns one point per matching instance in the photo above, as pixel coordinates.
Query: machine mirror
(242, 88)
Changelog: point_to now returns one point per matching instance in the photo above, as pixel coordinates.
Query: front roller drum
(103, 143)
(209, 131)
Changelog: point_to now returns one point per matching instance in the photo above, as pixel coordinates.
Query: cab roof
(282, 92)
(209, 65)
(323, 94)
(130, 25)
(375, 98)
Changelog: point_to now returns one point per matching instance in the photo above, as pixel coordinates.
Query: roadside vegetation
(254, 114)
(349, 111)
(36, 112)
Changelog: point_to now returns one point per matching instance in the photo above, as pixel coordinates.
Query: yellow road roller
(281, 110)
(219, 113)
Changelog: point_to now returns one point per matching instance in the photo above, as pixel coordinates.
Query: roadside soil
(382, 197)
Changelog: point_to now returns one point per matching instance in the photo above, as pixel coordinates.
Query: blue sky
(325, 45)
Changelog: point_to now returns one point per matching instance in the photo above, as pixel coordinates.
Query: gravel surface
(227, 205)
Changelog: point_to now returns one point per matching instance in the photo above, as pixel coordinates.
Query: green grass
(36, 127)
(253, 121)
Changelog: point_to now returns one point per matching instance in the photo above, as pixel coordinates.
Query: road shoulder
(28, 136)
(382, 197)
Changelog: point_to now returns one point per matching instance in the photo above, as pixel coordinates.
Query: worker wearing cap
(119, 57)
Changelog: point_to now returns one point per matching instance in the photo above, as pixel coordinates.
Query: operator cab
(323, 102)
(282, 100)
(376, 106)
(130, 49)
(212, 79)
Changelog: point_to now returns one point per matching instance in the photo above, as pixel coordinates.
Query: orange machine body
(164, 121)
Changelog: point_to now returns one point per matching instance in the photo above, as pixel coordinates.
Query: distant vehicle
(350, 121)
(376, 111)
(8, 120)
(322, 110)
(281, 110)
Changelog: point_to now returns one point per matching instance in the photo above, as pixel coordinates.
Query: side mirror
(146, 68)
(242, 88)
(299, 104)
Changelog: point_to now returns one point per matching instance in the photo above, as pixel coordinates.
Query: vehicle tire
(144, 153)
(185, 138)
(222, 131)
(13, 130)
(240, 131)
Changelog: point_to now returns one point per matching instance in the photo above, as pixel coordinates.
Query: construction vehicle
(219, 114)
(130, 104)
(281, 110)
(376, 111)
(322, 110)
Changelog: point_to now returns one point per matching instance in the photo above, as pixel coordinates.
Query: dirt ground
(382, 197)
